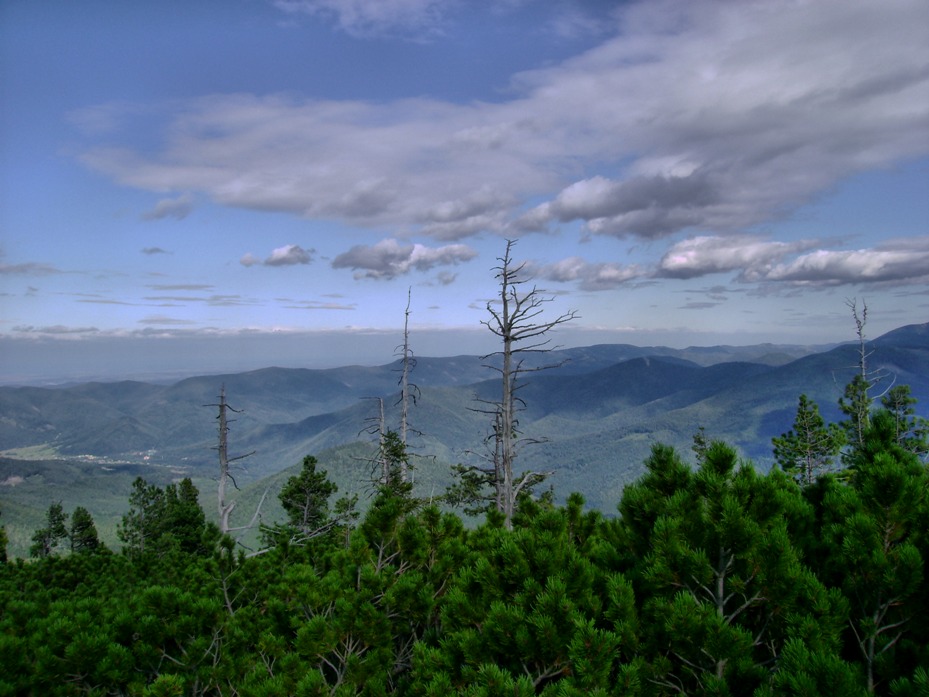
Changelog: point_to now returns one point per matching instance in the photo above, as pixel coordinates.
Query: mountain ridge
(619, 397)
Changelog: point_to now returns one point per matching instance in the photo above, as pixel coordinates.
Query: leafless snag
(409, 392)
(515, 319)
(377, 426)
(383, 470)
(225, 475)
(856, 401)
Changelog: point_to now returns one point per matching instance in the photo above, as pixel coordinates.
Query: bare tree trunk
(507, 407)
(514, 322)
(498, 459)
(405, 383)
(381, 430)
(860, 321)
(224, 508)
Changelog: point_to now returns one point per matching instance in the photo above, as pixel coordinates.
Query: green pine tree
(144, 523)
(718, 570)
(46, 540)
(83, 533)
(184, 519)
(911, 431)
(876, 535)
(855, 403)
(810, 446)
(4, 540)
(305, 497)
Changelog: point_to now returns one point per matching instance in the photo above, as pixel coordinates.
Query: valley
(593, 418)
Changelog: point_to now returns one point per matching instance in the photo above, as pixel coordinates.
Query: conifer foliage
(713, 579)
(810, 446)
(46, 539)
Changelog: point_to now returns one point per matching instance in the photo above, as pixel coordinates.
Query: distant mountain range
(596, 414)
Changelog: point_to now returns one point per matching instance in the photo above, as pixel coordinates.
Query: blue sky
(229, 185)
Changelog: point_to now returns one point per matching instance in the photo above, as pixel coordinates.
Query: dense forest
(712, 579)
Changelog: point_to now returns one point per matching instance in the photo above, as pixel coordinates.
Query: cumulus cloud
(591, 276)
(701, 116)
(757, 260)
(288, 255)
(389, 258)
(754, 259)
(652, 206)
(902, 261)
(177, 208)
(476, 212)
(703, 255)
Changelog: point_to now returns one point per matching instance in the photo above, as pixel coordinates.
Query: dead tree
(409, 392)
(225, 476)
(857, 399)
(388, 466)
(380, 467)
(383, 473)
(515, 317)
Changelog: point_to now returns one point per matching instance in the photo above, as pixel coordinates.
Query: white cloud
(288, 255)
(56, 329)
(763, 261)
(591, 276)
(647, 207)
(703, 116)
(177, 208)
(765, 104)
(388, 258)
(699, 256)
(898, 262)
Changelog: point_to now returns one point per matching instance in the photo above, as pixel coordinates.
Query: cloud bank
(699, 116)
(754, 259)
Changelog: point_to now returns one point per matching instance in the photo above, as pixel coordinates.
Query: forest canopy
(715, 579)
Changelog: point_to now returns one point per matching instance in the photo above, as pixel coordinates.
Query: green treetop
(46, 540)
(83, 534)
(810, 446)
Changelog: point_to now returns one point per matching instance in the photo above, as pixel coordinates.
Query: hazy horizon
(52, 362)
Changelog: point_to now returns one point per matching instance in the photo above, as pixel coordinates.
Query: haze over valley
(596, 416)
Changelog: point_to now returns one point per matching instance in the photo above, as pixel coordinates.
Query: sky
(218, 185)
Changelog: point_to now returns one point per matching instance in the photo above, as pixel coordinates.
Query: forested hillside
(593, 419)
(709, 580)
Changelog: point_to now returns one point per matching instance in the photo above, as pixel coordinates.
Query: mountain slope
(602, 406)
(590, 421)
